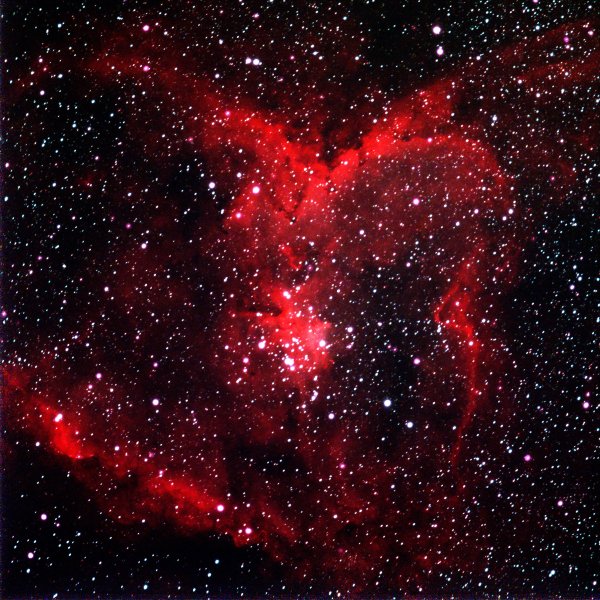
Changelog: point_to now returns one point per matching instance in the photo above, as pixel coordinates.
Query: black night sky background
(300, 299)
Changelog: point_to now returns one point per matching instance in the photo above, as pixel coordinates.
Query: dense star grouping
(266, 302)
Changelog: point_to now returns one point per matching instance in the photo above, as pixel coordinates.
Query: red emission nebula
(349, 358)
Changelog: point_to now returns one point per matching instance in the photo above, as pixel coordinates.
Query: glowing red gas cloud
(281, 440)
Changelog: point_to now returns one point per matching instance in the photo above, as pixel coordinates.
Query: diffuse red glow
(426, 186)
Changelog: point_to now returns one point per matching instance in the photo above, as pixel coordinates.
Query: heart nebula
(313, 355)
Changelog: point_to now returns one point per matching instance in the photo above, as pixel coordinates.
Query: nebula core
(290, 309)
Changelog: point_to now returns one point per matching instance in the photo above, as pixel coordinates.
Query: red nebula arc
(288, 444)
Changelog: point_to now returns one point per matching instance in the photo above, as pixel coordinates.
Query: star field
(300, 299)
